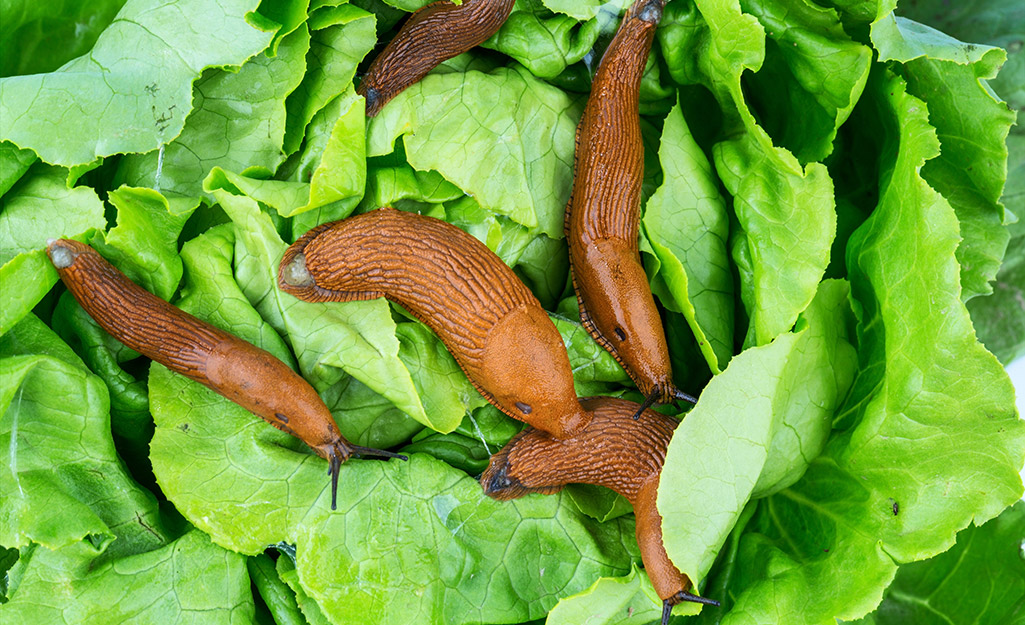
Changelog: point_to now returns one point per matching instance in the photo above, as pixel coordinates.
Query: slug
(490, 322)
(435, 33)
(602, 217)
(224, 363)
(614, 450)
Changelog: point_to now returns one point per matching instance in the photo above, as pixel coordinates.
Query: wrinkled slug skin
(236, 369)
(602, 217)
(490, 322)
(435, 33)
(614, 451)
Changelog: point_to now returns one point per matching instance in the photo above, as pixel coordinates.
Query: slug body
(236, 369)
(602, 217)
(615, 451)
(435, 33)
(490, 322)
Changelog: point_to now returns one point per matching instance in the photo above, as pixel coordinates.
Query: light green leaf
(63, 483)
(188, 581)
(629, 600)
(979, 580)
(755, 430)
(341, 36)
(687, 226)
(14, 162)
(329, 172)
(586, 9)
(514, 156)
(250, 485)
(238, 121)
(544, 43)
(136, 81)
(39, 207)
(928, 400)
(144, 244)
(972, 125)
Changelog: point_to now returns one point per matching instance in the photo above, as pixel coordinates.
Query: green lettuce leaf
(756, 429)
(979, 580)
(14, 163)
(544, 43)
(629, 600)
(250, 485)
(39, 207)
(138, 80)
(237, 121)
(329, 174)
(786, 210)
(61, 467)
(514, 156)
(972, 125)
(37, 37)
(928, 400)
(686, 224)
(189, 580)
(340, 37)
(144, 243)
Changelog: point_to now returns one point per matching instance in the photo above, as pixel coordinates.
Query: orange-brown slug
(224, 363)
(433, 34)
(614, 450)
(490, 322)
(602, 217)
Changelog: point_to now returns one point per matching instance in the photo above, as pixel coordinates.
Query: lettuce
(831, 211)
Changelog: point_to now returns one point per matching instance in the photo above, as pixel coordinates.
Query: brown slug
(490, 322)
(616, 451)
(603, 213)
(224, 363)
(431, 35)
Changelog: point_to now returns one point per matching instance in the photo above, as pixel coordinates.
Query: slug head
(525, 369)
(62, 252)
(649, 11)
(622, 311)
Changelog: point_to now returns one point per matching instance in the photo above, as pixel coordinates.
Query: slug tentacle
(224, 363)
(435, 33)
(615, 451)
(603, 214)
(490, 322)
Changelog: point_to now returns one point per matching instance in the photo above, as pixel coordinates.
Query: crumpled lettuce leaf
(249, 485)
(972, 125)
(544, 43)
(980, 579)
(785, 209)
(189, 580)
(686, 224)
(61, 467)
(40, 207)
(514, 156)
(237, 121)
(756, 429)
(138, 77)
(922, 378)
(629, 600)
